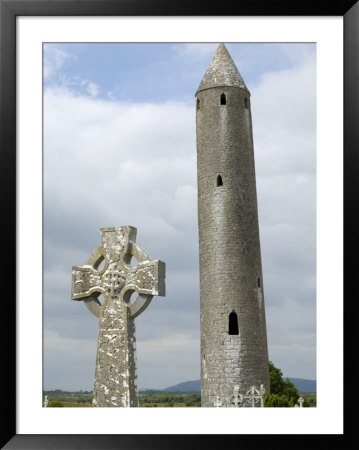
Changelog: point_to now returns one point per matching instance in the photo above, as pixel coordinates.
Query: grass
(147, 399)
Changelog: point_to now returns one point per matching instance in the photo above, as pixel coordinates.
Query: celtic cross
(218, 402)
(254, 394)
(237, 398)
(251, 396)
(115, 375)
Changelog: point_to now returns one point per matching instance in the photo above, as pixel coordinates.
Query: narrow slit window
(198, 103)
(219, 180)
(223, 100)
(259, 282)
(233, 324)
(246, 103)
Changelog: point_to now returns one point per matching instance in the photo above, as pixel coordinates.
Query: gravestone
(218, 402)
(250, 398)
(115, 376)
(237, 398)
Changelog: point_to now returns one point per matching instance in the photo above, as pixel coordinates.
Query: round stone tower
(234, 354)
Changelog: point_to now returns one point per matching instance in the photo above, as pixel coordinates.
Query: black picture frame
(9, 10)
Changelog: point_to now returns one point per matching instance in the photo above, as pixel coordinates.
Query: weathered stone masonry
(233, 329)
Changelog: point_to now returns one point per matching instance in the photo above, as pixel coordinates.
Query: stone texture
(230, 258)
(115, 378)
(221, 72)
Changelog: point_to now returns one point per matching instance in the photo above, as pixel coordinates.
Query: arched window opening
(233, 324)
(219, 180)
(223, 100)
(246, 103)
(198, 102)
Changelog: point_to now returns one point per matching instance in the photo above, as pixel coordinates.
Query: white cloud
(92, 146)
(194, 50)
(91, 88)
(68, 363)
(284, 121)
(170, 344)
(291, 329)
(298, 53)
(167, 352)
(55, 343)
(54, 59)
(284, 126)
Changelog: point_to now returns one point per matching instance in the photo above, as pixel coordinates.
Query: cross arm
(85, 282)
(148, 277)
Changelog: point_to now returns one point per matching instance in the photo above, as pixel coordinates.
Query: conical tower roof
(221, 72)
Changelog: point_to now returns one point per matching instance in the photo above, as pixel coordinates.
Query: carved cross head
(117, 280)
(237, 398)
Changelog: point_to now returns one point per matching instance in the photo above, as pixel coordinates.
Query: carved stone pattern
(115, 377)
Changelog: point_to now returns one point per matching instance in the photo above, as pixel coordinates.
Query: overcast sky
(120, 149)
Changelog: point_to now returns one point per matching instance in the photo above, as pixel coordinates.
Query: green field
(169, 399)
(147, 399)
(150, 398)
(60, 398)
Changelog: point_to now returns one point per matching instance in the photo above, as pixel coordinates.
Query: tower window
(246, 103)
(219, 181)
(198, 104)
(223, 100)
(233, 323)
(259, 282)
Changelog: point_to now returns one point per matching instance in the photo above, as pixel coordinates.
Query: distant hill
(186, 386)
(304, 385)
(301, 384)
